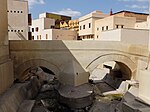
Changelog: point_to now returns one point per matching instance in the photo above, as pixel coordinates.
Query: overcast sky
(77, 8)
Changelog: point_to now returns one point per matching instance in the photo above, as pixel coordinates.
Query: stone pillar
(144, 82)
(6, 65)
(3, 23)
(144, 77)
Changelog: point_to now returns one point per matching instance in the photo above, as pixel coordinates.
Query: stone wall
(6, 65)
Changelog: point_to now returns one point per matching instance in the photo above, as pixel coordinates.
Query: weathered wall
(6, 68)
(86, 54)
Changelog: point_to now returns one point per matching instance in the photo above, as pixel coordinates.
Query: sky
(78, 8)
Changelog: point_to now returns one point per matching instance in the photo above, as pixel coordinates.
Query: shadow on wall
(54, 56)
(119, 73)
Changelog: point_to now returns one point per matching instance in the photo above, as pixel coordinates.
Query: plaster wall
(17, 20)
(6, 66)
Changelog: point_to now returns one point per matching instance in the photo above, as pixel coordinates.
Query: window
(46, 36)
(97, 29)
(89, 25)
(106, 27)
(83, 26)
(11, 11)
(36, 29)
(97, 36)
(80, 27)
(15, 31)
(14, 11)
(102, 28)
(11, 30)
(21, 11)
(122, 26)
(18, 11)
(40, 37)
(117, 26)
(32, 29)
(18, 30)
(37, 37)
(21, 30)
(8, 11)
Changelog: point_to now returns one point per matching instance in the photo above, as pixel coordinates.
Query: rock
(47, 87)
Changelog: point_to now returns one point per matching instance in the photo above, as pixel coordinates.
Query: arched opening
(112, 73)
(39, 71)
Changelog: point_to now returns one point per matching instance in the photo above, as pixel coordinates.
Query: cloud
(137, 6)
(69, 12)
(33, 2)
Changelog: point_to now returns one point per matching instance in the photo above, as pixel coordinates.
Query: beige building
(43, 29)
(113, 22)
(87, 24)
(17, 19)
(127, 35)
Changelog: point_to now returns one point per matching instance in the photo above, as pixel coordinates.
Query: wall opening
(38, 71)
(112, 73)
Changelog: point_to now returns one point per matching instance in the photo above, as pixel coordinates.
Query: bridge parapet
(57, 55)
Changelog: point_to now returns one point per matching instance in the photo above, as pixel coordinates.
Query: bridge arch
(27, 65)
(123, 60)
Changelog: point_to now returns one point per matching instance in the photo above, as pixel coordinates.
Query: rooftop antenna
(111, 12)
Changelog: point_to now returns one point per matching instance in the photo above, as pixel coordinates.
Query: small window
(117, 26)
(32, 37)
(37, 37)
(80, 27)
(40, 37)
(8, 30)
(11, 30)
(102, 28)
(97, 36)
(46, 36)
(122, 26)
(83, 37)
(18, 30)
(14, 11)
(21, 11)
(89, 25)
(97, 29)
(21, 30)
(15, 30)
(36, 29)
(18, 11)
(32, 29)
(83, 26)
(11, 11)
(8, 11)
(106, 27)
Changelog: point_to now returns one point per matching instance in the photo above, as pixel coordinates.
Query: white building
(17, 19)
(42, 29)
(87, 24)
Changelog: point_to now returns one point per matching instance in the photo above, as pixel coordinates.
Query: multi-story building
(87, 24)
(125, 26)
(131, 28)
(113, 22)
(17, 19)
(44, 29)
(58, 18)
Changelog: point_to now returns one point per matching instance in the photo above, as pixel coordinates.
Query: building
(140, 17)
(87, 25)
(58, 18)
(43, 29)
(132, 28)
(17, 19)
(113, 22)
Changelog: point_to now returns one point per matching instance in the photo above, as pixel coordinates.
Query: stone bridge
(73, 61)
